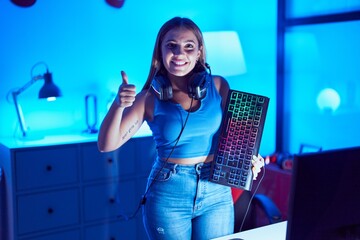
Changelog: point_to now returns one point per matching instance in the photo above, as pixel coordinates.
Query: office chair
(263, 211)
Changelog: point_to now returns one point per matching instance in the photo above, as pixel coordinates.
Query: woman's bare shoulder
(221, 85)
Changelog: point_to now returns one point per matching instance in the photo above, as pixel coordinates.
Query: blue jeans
(182, 204)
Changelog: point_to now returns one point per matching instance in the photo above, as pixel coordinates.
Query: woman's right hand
(119, 125)
(126, 93)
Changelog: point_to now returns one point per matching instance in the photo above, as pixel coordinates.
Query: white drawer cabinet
(47, 210)
(100, 201)
(72, 191)
(46, 167)
(67, 235)
(97, 166)
(113, 231)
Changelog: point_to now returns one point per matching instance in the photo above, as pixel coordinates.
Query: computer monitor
(325, 196)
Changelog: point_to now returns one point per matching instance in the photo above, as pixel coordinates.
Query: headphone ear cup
(162, 86)
(198, 85)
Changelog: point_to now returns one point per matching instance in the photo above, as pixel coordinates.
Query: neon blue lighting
(328, 99)
(51, 99)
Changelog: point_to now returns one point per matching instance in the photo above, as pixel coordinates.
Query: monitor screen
(325, 196)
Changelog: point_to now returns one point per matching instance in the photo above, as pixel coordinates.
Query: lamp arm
(28, 84)
(19, 114)
(18, 108)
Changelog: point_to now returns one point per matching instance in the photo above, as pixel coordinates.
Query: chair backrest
(262, 211)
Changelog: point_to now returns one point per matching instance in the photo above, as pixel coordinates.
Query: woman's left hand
(257, 163)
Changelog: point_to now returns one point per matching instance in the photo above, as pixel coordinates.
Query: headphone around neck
(197, 87)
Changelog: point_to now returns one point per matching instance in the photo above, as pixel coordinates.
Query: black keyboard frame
(232, 160)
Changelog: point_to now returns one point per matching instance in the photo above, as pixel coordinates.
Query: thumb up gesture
(126, 94)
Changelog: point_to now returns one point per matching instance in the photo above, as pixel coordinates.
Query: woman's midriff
(191, 161)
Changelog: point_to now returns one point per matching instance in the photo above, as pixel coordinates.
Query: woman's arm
(123, 119)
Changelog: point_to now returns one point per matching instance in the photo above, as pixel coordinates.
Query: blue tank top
(199, 137)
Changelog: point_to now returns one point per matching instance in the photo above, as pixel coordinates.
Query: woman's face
(180, 51)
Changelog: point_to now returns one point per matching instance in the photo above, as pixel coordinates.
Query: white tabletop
(38, 140)
(276, 231)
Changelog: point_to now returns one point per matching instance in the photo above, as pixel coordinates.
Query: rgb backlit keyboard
(239, 139)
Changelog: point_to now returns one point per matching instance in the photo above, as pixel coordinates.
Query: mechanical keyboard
(239, 139)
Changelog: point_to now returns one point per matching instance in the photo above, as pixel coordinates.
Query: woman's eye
(186, 47)
(171, 45)
(189, 46)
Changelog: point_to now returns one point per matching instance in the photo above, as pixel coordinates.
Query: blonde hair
(156, 62)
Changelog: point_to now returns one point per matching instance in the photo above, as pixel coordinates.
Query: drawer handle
(112, 238)
(112, 200)
(50, 210)
(49, 168)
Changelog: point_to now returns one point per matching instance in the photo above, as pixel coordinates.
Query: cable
(252, 197)
(172, 150)
(143, 198)
(35, 65)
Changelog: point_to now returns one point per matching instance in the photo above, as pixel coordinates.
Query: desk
(275, 231)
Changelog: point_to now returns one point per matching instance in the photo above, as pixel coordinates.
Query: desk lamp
(49, 91)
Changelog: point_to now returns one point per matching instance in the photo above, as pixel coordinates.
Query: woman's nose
(178, 51)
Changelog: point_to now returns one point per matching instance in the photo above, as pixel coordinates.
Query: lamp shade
(224, 53)
(24, 3)
(49, 89)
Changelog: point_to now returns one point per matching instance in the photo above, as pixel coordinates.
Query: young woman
(182, 103)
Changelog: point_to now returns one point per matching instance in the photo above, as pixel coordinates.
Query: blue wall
(86, 43)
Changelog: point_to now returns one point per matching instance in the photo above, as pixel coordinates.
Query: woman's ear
(199, 56)
(199, 52)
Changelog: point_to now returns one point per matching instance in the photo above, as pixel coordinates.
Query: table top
(276, 231)
(41, 140)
